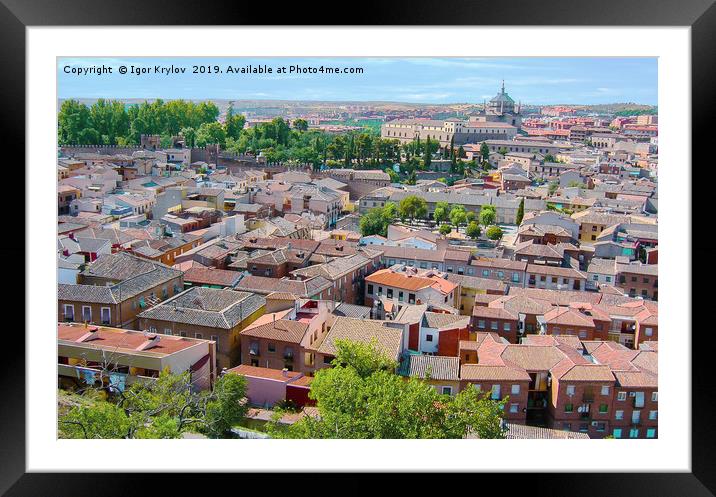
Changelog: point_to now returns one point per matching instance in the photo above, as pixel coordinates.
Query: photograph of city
(357, 248)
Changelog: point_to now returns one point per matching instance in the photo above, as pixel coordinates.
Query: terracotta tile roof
(394, 279)
(388, 339)
(212, 276)
(124, 341)
(281, 330)
(441, 320)
(269, 374)
(532, 358)
(211, 307)
(493, 312)
(264, 285)
(568, 317)
(478, 372)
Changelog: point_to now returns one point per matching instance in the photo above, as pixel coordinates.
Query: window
(481, 323)
(198, 335)
(514, 407)
(651, 433)
(617, 433)
(168, 331)
(165, 292)
(272, 347)
(568, 407)
(515, 390)
(485, 273)
(495, 392)
(582, 334)
(400, 296)
(428, 338)
(619, 414)
(182, 333)
(411, 298)
(389, 293)
(634, 433)
(506, 327)
(500, 274)
(601, 426)
(447, 390)
(654, 396)
(603, 408)
(516, 277)
(652, 415)
(493, 325)
(567, 426)
(327, 359)
(370, 289)
(69, 312)
(86, 313)
(605, 390)
(105, 315)
(608, 279)
(621, 396)
(570, 389)
(648, 332)
(477, 386)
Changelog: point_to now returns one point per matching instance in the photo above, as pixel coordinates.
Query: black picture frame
(700, 15)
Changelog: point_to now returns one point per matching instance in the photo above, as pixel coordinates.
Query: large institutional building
(499, 120)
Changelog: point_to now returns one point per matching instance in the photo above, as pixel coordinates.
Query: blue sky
(544, 80)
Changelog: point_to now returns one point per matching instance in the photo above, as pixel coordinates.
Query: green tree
(520, 212)
(163, 408)
(494, 232)
(300, 124)
(445, 229)
(210, 133)
(487, 215)
(485, 152)
(226, 407)
(552, 187)
(412, 207)
(473, 230)
(441, 212)
(189, 135)
(73, 119)
(374, 222)
(234, 124)
(458, 215)
(361, 397)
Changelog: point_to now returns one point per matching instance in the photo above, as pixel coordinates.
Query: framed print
(384, 247)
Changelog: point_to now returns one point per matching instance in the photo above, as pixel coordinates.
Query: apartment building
(216, 314)
(112, 290)
(116, 358)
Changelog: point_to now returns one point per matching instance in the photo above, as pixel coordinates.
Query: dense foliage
(362, 397)
(164, 408)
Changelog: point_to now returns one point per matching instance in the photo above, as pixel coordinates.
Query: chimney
(152, 339)
(71, 235)
(284, 371)
(90, 335)
(66, 252)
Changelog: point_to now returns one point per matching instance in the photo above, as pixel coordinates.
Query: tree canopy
(487, 215)
(376, 220)
(412, 207)
(494, 232)
(362, 397)
(164, 408)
